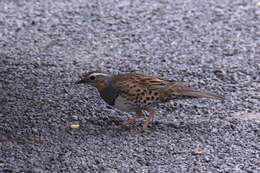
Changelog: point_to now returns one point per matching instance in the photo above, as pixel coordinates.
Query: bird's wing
(139, 81)
(145, 85)
(141, 88)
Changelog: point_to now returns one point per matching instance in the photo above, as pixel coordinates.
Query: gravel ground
(46, 45)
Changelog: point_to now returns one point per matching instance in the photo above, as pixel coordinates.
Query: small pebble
(220, 73)
(75, 117)
(198, 151)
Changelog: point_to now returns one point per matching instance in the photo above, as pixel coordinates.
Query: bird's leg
(131, 120)
(148, 121)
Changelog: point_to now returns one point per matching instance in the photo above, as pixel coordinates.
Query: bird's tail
(182, 91)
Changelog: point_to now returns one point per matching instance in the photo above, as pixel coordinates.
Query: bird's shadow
(102, 126)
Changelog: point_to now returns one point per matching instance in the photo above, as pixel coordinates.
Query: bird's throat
(100, 86)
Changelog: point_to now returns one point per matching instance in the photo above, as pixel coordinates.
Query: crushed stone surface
(210, 45)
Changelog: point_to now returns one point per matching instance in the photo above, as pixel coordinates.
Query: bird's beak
(80, 81)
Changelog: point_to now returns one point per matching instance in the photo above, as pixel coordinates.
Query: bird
(135, 92)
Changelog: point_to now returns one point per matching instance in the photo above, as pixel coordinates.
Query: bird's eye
(92, 78)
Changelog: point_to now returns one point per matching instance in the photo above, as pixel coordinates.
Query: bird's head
(98, 79)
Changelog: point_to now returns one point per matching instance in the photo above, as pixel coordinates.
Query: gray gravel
(46, 45)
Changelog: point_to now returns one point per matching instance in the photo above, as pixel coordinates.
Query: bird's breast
(124, 104)
(109, 95)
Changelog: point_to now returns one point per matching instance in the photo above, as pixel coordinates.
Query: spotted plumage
(132, 92)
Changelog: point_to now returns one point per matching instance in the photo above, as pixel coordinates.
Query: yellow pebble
(74, 126)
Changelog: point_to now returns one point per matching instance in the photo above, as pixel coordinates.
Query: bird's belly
(126, 105)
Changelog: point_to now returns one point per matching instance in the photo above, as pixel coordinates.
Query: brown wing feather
(146, 82)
